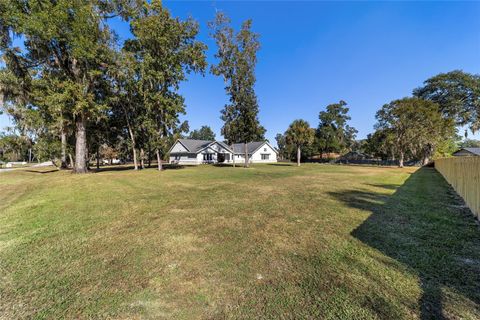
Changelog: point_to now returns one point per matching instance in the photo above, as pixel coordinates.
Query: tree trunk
(299, 154)
(149, 152)
(159, 161)
(246, 155)
(132, 137)
(425, 160)
(400, 159)
(63, 138)
(142, 156)
(233, 156)
(98, 157)
(135, 164)
(81, 145)
(72, 163)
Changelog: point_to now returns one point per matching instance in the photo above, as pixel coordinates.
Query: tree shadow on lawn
(45, 171)
(282, 164)
(131, 167)
(422, 226)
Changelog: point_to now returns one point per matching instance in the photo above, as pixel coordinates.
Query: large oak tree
(416, 127)
(458, 95)
(71, 38)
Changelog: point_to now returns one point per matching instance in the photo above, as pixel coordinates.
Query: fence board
(463, 174)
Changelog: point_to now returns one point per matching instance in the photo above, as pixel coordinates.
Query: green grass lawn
(272, 241)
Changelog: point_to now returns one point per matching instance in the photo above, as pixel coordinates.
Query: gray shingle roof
(194, 145)
(475, 151)
(252, 147)
(223, 144)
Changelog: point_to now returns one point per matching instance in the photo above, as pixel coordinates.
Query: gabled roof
(224, 145)
(194, 146)
(473, 151)
(252, 147)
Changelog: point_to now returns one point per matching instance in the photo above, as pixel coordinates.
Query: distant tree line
(416, 128)
(75, 93)
(332, 135)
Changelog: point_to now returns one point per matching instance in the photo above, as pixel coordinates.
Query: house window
(264, 149)
(207, 156)
(227, 156)
(265, 156)
(177, 157)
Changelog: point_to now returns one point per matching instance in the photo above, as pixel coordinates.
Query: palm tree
(299, 134)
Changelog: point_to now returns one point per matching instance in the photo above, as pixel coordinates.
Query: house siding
(256, 157)
(265, 149)
(178, 147)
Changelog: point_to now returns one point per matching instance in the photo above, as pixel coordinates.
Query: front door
(221, 157)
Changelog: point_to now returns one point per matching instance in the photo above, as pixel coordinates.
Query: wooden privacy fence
(463, 173)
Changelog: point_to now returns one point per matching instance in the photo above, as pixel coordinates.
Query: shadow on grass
(226, 165)
(384, 186)
(420, 226)
(132, 167)
(46, 171)
(230, 165)
(282, 164)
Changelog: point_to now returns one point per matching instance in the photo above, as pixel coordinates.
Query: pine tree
(237, 57)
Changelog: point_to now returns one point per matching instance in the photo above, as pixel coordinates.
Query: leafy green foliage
(70, 76)
(13, 147)
(165, 50)
(204, 133)
(470, 143)
(299, 135)
(68, 46)
(381, 144)
(284, 150)
(458, 95)
(333, 133)
(415, 127)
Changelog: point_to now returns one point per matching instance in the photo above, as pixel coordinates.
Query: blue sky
(317, 53)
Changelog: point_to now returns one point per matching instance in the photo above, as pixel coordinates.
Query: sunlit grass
(272, 241)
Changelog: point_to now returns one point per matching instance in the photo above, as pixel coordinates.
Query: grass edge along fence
(463, 174)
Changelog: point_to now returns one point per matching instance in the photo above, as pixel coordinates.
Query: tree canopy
(204, 133)
(299, 134)
(333, 133)
(470, 143)
(71, 80)
(458, 95)
(414, 127)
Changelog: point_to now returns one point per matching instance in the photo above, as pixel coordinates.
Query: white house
(193, 152)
